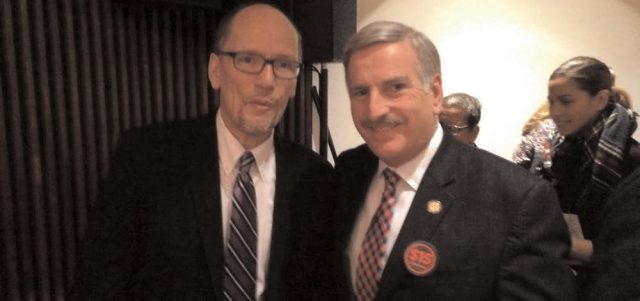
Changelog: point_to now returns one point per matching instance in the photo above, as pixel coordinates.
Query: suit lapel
(287, 173)
(206, 197)
(437, 185)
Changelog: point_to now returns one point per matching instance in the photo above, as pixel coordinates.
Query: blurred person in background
(534, 151)
(460, 116)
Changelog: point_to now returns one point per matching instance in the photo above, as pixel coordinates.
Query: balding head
(254, 16)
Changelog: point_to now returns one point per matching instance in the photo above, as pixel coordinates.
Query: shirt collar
(230, 150)
(413, 170)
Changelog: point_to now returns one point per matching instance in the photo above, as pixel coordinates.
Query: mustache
(386, 121)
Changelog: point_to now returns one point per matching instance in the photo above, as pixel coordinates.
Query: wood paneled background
(74, 74)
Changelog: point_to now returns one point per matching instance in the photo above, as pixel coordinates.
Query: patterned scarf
(607, 152)
(604, 148)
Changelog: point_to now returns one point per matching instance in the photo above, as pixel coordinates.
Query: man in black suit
(179, 219)
(455, 222)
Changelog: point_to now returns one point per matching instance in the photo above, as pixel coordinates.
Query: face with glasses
(255, 71)
(454, 120)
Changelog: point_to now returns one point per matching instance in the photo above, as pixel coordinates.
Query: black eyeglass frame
(265, 61)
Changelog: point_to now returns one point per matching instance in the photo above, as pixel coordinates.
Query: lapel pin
(420, 258)
(434, 206)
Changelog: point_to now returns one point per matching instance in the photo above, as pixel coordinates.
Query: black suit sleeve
(108, 250)
(532, 267)
(615, 268)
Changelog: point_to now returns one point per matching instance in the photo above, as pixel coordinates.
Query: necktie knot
(390, 180)
(245, 161)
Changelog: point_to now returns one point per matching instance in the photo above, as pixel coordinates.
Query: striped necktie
(369, 269)
(241, 257)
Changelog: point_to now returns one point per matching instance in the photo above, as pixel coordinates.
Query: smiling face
(572, 108)
(393, 111)
(252, 104)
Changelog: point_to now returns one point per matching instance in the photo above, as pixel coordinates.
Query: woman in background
(539, 134)
(597, 151)
(585, 149)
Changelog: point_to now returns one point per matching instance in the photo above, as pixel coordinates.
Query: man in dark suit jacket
(160, 227)
(455, 222)
(614, 272)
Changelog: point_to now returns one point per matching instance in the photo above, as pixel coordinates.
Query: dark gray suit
(156, 232)
(500, 234)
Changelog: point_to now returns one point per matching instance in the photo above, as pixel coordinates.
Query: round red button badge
(420, 258)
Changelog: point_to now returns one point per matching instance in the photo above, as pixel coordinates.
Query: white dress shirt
(411, 174)
(263, 174)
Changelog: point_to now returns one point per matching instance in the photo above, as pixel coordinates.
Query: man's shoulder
(356, 156)
(355, 164)
(172, 126)
(297, 154)
(169, 132)
(481, 166)
(487, 160)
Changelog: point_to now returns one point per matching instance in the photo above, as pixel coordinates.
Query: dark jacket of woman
(590, 163)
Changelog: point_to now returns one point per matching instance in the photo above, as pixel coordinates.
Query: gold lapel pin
(434, 206)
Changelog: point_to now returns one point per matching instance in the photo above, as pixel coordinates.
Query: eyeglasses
(454, 128)
(253, 64)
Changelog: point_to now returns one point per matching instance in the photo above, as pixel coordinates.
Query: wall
(503, 53)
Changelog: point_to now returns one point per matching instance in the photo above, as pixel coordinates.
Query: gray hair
(469, 104)
(391, 32)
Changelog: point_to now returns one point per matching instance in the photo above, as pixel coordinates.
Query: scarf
(603, 146)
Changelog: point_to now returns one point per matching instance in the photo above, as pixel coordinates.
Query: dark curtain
(74, 74)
